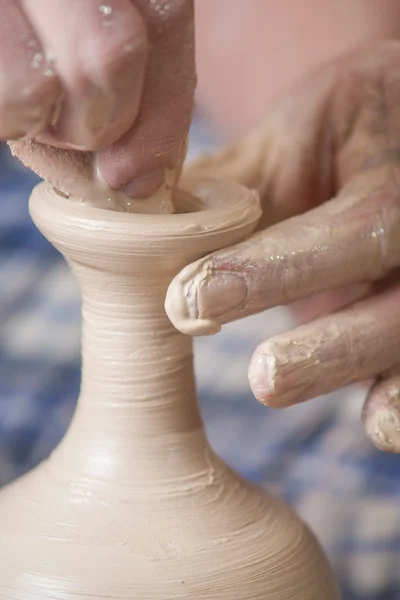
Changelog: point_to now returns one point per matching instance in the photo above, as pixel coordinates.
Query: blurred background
(315, 455)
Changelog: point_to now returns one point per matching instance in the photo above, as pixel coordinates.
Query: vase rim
(83, 231)
(220, 204)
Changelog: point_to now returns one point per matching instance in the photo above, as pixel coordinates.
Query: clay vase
(133, 504)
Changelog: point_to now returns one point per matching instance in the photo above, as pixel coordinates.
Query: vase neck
(138, 399)
(137, 420)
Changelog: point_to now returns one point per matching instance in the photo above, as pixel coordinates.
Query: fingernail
(199, 298)
(281, 373)
(146, 185)
(262, 371)
(219, 295)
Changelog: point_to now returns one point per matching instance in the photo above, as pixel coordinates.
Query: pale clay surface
(134, 504)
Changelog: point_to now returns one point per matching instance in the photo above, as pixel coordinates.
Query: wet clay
(133, 503)
(77, 176)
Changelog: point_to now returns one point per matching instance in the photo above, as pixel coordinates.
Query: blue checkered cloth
(315, 455)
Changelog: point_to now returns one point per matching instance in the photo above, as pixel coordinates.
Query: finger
(353, 345)
(381, 412)
(29, 90)
(324, 304)
(157, 140)
(99, 53)
(352, 239)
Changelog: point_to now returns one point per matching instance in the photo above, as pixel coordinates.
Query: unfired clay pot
(134, 504)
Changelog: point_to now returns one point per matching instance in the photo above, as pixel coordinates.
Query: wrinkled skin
(326, 162)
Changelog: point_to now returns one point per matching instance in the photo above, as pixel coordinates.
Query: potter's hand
(116, 76)
(327, 164)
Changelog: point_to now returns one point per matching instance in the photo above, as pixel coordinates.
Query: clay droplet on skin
(105, 9)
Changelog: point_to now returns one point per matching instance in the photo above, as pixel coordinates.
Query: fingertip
(158, 137)
(279, 374)
(133, 160)
(381, 415)
(67, 170)
(145, 186)
(262, 373)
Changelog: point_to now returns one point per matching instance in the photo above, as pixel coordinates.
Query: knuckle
(30, 106)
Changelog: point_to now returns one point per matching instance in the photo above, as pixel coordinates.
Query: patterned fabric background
(314, 455)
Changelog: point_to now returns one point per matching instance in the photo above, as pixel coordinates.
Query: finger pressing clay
(76, 176)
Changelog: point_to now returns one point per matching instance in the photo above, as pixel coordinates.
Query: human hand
(327, 165)
(117, 77)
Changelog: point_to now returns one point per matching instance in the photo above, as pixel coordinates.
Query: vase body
(134, 504)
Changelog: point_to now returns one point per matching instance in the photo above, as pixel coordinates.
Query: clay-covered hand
(327, 165)
(117, 77)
